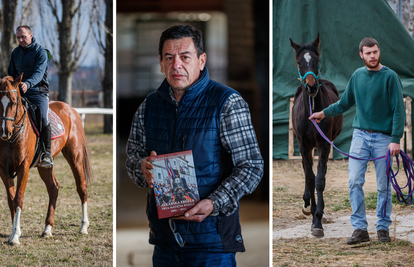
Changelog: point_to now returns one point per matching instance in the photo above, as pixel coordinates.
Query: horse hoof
(312, 226)
(83, 230)
(317, 232)
(47, 235)
(306, 210)
(47, 232)
(13, 243)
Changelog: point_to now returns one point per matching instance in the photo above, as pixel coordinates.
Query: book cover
(175, 183)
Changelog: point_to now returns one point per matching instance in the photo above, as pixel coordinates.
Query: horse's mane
(307, 47)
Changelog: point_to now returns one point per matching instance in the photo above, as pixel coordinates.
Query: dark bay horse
(322, 93)
(18, 136)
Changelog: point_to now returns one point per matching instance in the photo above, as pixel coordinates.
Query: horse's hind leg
(52, 186)
(75, 158)
(306, 198)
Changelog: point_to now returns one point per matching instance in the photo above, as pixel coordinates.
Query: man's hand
(204, 208)
(394, 149)
(146, 168)
(318, 116)
(23, 86)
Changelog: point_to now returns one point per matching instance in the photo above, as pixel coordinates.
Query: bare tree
(68, 17)
(106, 49)
(8, 42)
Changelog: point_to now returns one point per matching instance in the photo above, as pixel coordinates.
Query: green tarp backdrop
(341, 25)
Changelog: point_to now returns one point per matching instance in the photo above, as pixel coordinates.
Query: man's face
(180, 64)
(371, 56)
(24, 38)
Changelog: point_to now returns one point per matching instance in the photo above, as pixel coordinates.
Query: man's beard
(372, 66)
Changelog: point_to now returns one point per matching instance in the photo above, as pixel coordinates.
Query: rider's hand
(23, 86)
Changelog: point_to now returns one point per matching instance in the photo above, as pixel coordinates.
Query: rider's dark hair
(368, 42)
(25, 27)
(181, 31)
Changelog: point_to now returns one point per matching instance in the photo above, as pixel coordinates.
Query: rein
(408, 165)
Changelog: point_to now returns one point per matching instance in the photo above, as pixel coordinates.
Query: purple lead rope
(408, 165)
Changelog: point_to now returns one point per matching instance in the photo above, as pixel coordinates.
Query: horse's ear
(18, 80)
(294, 45)
(316, 42)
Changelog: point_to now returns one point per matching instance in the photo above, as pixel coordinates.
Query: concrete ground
(401, 228)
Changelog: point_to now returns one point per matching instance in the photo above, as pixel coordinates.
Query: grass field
(66, 247)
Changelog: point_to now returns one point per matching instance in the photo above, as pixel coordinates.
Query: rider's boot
(47, 160)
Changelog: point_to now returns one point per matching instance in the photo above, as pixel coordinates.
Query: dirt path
(293, 245)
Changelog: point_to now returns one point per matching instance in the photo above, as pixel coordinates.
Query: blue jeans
(368, 145)
(41, 100)
(175, 258)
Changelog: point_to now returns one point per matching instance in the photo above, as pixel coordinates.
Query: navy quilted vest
(194, 125)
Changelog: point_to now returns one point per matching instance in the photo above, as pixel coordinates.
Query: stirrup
(47, 160)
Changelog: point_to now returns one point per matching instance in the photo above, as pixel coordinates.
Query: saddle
(35, 117)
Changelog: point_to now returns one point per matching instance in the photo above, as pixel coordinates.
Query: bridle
(14, 120)
(16, 134)
(302, 79)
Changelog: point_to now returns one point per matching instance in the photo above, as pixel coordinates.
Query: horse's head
(307, 59)
(9, 105)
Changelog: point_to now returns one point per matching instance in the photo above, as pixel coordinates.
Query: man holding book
(191, 112)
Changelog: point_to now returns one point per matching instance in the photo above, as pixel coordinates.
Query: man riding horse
(31, 59)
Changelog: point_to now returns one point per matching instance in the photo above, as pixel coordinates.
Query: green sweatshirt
(379, 102)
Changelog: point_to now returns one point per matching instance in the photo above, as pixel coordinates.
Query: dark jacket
(32, 61)
(194, 125)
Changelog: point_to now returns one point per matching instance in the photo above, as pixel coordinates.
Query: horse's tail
(87, 167)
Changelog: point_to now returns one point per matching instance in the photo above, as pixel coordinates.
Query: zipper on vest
(173, 133)
(184, 137)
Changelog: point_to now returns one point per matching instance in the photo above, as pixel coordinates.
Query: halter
(302, 79)
(16, 134)
(20, 127)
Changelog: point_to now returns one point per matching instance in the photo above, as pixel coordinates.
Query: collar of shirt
(172, 96)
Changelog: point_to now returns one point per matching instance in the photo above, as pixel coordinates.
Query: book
(175, 183)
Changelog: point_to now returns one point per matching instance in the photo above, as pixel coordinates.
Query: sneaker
(383, 236)
(47, 160)
(358, 236)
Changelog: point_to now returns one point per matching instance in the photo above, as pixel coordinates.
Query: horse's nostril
(9, 134)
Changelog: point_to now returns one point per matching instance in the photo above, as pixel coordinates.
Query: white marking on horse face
(5, 102)
(307, 57)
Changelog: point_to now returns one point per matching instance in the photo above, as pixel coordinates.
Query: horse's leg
(22, 177)
(9, 184)
(52, 186)
(323, 153)
(306, 151)
(74, 157)
(306, 198)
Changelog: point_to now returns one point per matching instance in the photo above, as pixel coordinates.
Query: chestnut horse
(17, 149)
(322, 93)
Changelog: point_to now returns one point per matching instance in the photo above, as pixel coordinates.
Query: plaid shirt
(237, 137)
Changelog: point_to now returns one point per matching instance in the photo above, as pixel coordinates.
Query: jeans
(41, 100)
(368, 145)
(178, 257)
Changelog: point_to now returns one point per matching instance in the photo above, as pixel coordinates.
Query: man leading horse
(376, 91)
(31, 59)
